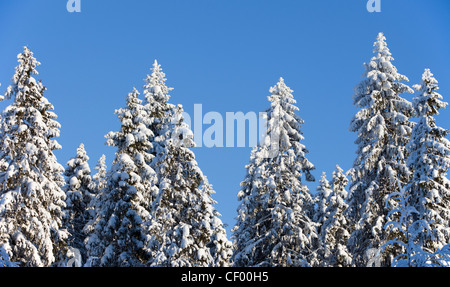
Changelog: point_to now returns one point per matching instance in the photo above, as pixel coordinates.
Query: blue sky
(224, 55)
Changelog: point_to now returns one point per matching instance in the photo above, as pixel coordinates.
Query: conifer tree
(158, 108)
(181, 183)
(97, 188)
(31, 198)
(118, 233)
(407, 231)
(273, 227)
(78, 198)
(99, 179)
(383, 130)
(321, 199)
(427, 197)
(334, 231)
(185, 228)
(318, 216)
(430, 160)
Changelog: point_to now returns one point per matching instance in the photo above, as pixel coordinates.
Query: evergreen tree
(31, 198)
(383, 129)
(321, 199)
(318, 216)
(334, 231)
(185, 228)
(99, 179)
(407, 230)
(78, 198)
(181, 184)
(429, 158)
(160, 111)
(117, 234)
(273, 227)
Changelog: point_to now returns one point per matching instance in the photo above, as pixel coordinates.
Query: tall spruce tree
(383, 130)
(321, 199)
(334, 230)
(185, 228)
(159, 109)
(192, 234)
(323, 191)
(118, 234)
(31, 198)
(99, 179)
(78, 198)
(429, 159)
(273, 227)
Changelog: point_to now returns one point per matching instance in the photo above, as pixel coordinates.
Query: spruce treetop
(383, 129)
(31, 178)
(428, 101)
(155, 87)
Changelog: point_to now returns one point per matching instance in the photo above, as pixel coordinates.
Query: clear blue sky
(224, 55)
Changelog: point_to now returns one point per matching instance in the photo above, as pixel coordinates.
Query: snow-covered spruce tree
(174, 161)
(97, 188)
(117, 235)
(429, 160)
(407, 230)
(159, 109)
(422, 207)
(321, 199)
(78, 198)
(99, 179)
(318, 215)
(273, 227)
(334, 230)
(185, 228)
(31, 180)
(383, 130)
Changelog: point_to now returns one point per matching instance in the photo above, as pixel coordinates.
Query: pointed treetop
(340, 180)
(428, 82)
(81, 148)
(132, 98)
(81, 152)
(181, 135)
(428, 101)
(339, 169)
(99, 177)
(22, 82)
(323, 182)
(155, 86)
(381, 46)
(282, 94)
(429, 77)
(281, 89)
